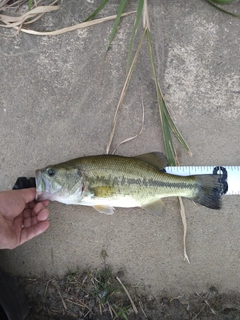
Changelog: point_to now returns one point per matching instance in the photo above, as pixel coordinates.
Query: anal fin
(156, 208)
(104, 209)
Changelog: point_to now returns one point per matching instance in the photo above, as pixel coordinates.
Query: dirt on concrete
(98, 295)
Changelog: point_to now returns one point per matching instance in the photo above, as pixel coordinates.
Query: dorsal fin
(155, 159)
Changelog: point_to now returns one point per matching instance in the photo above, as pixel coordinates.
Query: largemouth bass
(108, 181)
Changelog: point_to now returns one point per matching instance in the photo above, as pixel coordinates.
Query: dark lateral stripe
(162, 184)
(115, 181)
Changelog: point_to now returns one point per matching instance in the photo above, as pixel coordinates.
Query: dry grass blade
(127, 293)
(2, 4)
(110, 310)
(141, 307)
(184, 222)
(123, 93)
(11, 22)
(146, 23)
(134, 137)
(196, 316)
(36, 13)
(166, 119)
(80, 304)
(6, 4)
(74, 27)
(167, 125)
(207, 303)
(63, 302)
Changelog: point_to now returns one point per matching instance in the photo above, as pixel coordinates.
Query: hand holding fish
(21, 218)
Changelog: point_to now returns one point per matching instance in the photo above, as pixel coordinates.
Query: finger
(30, 205)
(45, 202)
(31, 219)
(35, 210)
(27, 213)
(33, 231)
(28, 222)
(43, 215)
(28, 194)
(38, 207)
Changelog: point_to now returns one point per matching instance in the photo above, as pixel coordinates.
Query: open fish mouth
(42, 186)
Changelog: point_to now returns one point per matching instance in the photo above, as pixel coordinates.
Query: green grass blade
(170, 150)
(136, 23)
(223, 1)
(29, 5)
(175, 129)
(221, 9)
(167, 122)
(170, 121)
(167, 138)
(120, 11)
(101, 6)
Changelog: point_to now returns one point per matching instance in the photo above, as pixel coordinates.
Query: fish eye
(51, 172)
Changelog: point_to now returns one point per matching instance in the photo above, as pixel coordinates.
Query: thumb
(27, 195)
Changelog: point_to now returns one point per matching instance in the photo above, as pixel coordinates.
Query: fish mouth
(42, 186)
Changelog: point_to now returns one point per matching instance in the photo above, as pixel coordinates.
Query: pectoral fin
(156, 208)
(104, 209)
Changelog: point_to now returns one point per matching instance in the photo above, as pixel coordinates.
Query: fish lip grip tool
(24, 183)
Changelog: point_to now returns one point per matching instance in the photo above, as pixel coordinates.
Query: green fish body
(108, 181)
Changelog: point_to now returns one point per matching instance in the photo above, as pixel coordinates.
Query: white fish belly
(122, 202)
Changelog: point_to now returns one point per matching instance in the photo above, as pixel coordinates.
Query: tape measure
(229, 176)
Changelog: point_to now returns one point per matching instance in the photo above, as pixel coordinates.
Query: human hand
(21, 217)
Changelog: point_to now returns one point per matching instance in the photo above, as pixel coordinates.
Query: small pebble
(213, 290)
(176, 302)
(120, 274)
(164, 301)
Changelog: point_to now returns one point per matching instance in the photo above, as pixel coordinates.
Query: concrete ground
(57, 102)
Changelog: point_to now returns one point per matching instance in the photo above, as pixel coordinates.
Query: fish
(109, 181)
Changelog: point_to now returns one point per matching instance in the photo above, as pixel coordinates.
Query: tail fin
(210, 189)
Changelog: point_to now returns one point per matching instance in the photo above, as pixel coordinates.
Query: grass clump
(95, 295)
(87, 295)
